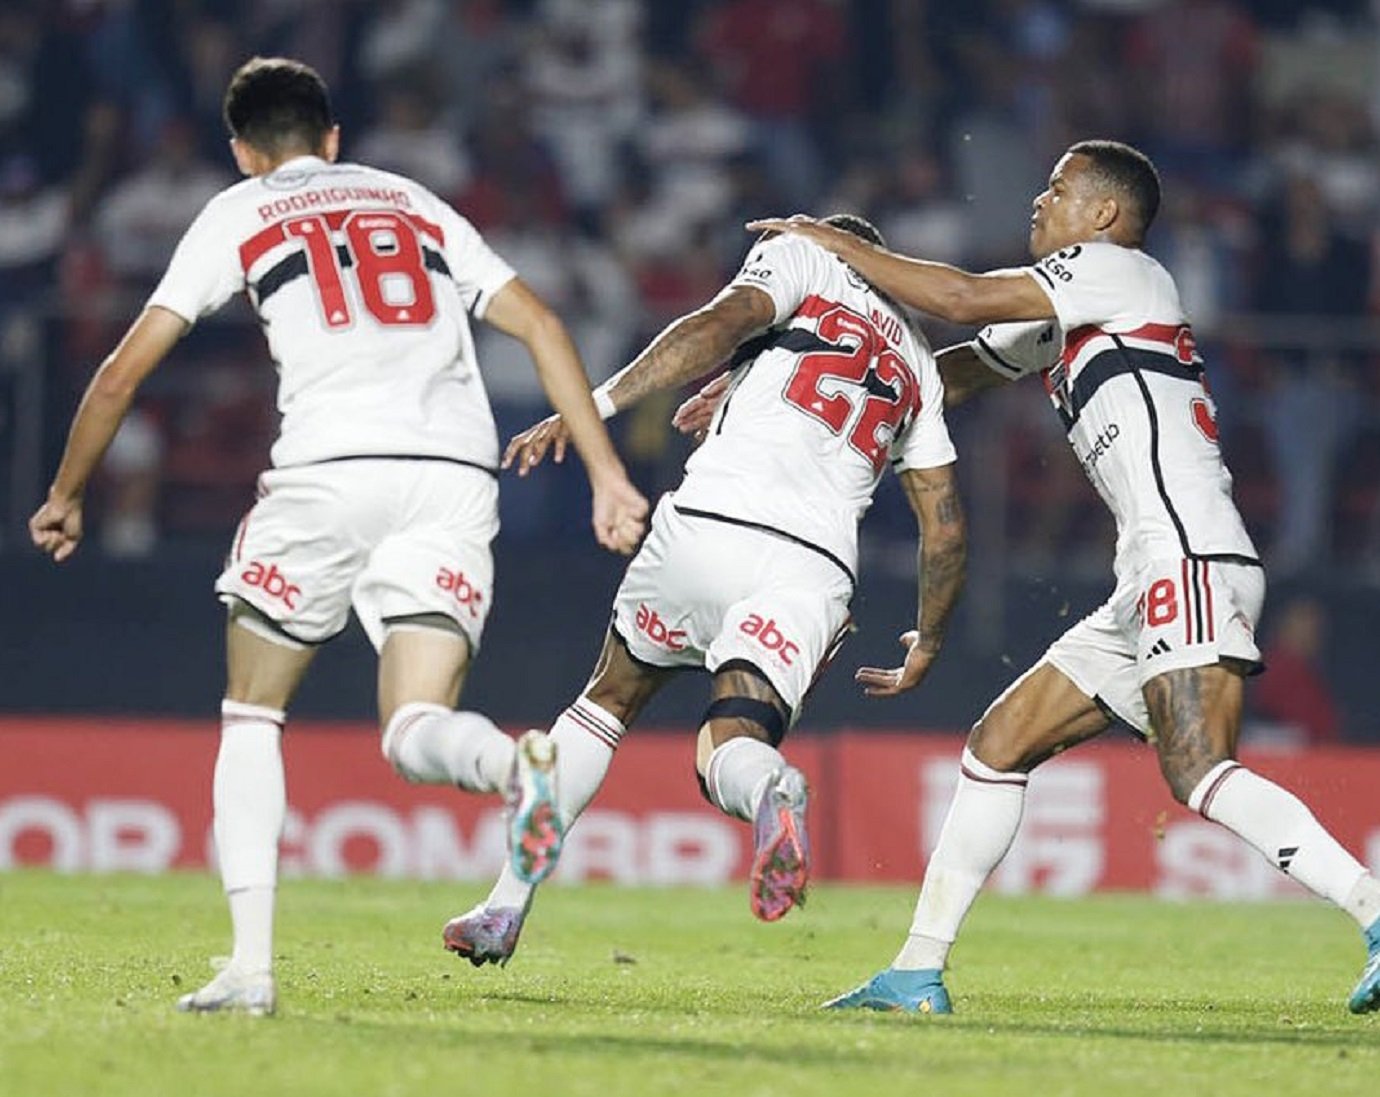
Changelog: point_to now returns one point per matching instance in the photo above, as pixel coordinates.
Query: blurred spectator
(1194, 62)
(584, 74)
(1311, 413)
(777, 60)
(128, 491)
(140, 221)
(1293, 696)
(33, 224)
(578, 276)
(411, 138)
(690, 142)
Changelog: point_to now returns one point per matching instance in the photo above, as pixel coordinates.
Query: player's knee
(993, 746)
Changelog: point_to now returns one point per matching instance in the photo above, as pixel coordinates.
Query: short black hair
(1127, 170)
(278, 105)
(858, 226)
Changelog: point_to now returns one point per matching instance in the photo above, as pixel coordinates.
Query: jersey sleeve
(1092, 283)
(478, 270)
(1016, 349)
(204, 271)
(925, 443)
(782, 268)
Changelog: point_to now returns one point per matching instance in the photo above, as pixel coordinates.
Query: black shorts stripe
(761, 527)
(396, 457)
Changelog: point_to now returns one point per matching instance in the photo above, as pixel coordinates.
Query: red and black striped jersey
(1124, 374)
(364, 283)
(838, 387)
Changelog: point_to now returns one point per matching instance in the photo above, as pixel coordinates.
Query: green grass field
(646, 992)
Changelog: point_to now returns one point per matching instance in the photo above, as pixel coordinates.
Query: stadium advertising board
(130, 795)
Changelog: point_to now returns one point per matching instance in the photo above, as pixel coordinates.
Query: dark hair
(858, 226)
(1127, 170)
(278, 105)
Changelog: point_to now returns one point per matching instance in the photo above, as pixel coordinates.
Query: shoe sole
(1367, 1001)
(255, 1010)
(780, 871)
(467, 949)
(537, 835)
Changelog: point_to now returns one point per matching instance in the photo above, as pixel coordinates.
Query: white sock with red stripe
(737, 775)
(586, 736)
(980, 827)
(249, 800)
(430, 744)
(1279, 825)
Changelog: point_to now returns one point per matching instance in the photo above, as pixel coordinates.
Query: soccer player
(749, 566)
(1169, 652)
(383, 491)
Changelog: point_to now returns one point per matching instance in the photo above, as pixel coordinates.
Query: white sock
(251, 915)
(980, 827)
(430, 744)
(737, 775)
(586, 736)
(249, 799)
(1279, 825)
(1363, 902)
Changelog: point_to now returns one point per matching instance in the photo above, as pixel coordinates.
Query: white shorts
(392, 537)
(702, 592)
(1167, 615)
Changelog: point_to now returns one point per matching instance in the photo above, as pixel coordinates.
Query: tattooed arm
(688, 348)
(933, 496)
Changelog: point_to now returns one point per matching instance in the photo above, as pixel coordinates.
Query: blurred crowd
(611, 150)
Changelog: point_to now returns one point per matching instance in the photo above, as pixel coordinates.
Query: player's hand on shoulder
(888, 682)
(695, 414)
(56, 527)
(530, 447)
(620, 513)
(801, 223)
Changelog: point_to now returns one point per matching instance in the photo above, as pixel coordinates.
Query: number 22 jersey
(364, 283)
(838, 386)
(1126, 379)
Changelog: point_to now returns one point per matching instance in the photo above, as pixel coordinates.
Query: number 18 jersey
(836, 388)
(364, 283)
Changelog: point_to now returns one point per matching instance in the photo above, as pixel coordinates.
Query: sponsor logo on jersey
(272, 582)
(461, 589)
(769, 635)
(1100, 446)
(650, 624)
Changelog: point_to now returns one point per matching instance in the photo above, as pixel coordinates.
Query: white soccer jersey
(1125, 377)
(839, 385)
(364, 282)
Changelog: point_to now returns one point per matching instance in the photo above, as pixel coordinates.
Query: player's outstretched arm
(936, 288)
(620, 511)
(56, 526)
(687, 348)
(933, 496)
